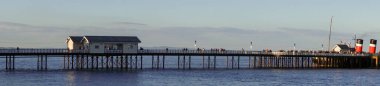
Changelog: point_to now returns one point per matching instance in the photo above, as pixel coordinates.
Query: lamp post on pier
(294, 48)
(195, 44)
(251, 46)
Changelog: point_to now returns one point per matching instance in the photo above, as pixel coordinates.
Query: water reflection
(70, 78)
(322, 77)
(102, 78)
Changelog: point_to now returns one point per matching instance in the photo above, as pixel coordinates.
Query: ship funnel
(372, 46)
(359, 46)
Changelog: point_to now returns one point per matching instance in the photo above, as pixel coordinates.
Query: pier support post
(232, 62)
(238, 64)
(377, 62)
(110, 62)
(101, 62)
(259, 62)
(157, 66)
(92, 62)
(203, 62)
(228, 62)
(141, 62)
(64, 61)
(13, 62)
(97, 62)
(7, 62)
(81, 61)
(87, 62)
(178, 61)
(121, 62)
(41, 62)
(302, 62)
(266, 61)
(254, 62)
(107, 62)
(153, 62)
(307, 62)
(132, 62)
(189, 61)
(249, 62)
(214, 62)
(278, 62)
(136, 62)
(67, 61)
(163, 62)
(10, 62)
(208, 62)
(117, 63)
(184, 62)
(126, 62)
(72, 61)
(45, 62)
(38, 62)
(77, 62)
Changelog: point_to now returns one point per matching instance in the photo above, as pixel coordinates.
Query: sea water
(26, 75)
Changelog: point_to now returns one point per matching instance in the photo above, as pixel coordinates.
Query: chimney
(372, 46)
(359, 46)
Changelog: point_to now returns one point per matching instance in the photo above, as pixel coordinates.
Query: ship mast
(331, 21)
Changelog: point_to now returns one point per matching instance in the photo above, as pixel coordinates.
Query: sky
(230, 24)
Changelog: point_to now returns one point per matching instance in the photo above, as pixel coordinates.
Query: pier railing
(247, 52)
(180, 51)
(34, 50)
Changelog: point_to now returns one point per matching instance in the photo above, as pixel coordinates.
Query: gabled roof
(112, 38)
(76, 39)
(343, 46)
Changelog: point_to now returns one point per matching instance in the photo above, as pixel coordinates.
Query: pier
(184, 59)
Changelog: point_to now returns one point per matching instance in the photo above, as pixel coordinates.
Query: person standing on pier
(141, 49)
(17, 49)
(167, 49)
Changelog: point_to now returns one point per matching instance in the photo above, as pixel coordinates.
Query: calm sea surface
(27, 76)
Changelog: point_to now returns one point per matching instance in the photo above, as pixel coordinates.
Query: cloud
(367, 34)
(128, 23)
(19, 27)
(312, 32)
(3, 23)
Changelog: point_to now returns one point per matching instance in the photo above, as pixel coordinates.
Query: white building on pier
(105, 44)
(74, 43)
(342, 48)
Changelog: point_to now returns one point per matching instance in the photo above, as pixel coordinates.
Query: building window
(130, 46)
(119, 46)
(96, 46)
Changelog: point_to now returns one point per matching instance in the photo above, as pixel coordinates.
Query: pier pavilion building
(74, 43)
(342, 48)
(103, 44)
(110, 44)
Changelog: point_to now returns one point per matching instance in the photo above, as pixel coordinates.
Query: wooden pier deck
(231, 59)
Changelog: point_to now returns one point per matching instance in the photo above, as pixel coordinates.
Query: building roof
(112, 38)
(343, 46)
(76, 39)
